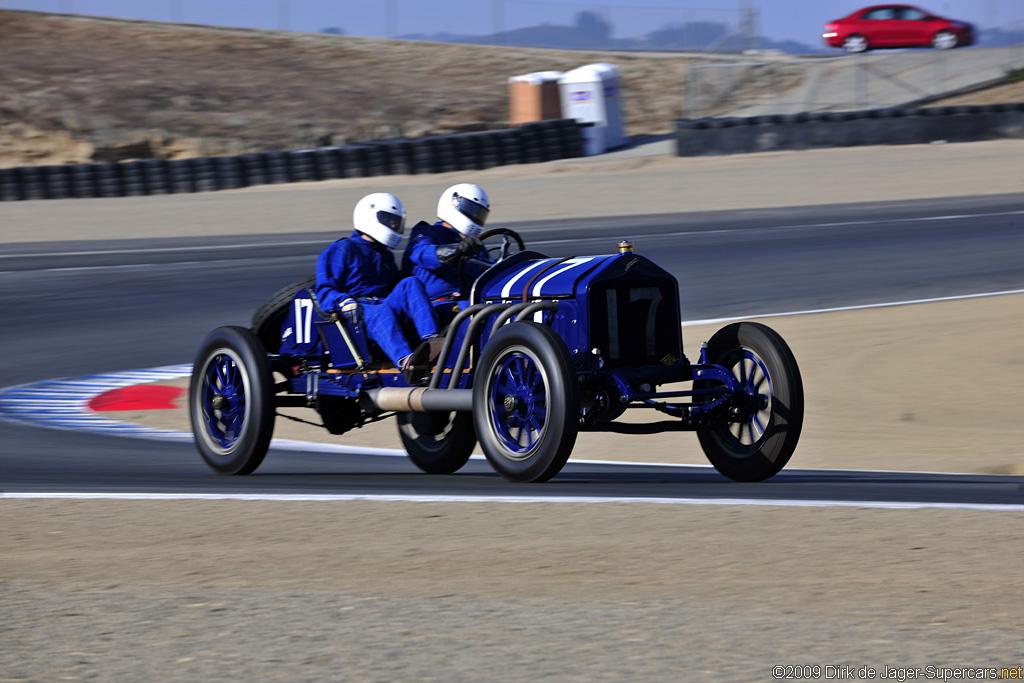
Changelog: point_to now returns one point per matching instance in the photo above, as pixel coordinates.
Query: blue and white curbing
(64, 403)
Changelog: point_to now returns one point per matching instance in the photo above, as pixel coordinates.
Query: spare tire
(266, 321)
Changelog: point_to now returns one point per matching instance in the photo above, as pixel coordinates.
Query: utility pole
(283, 15)
(746, 27)
(390, 19)
(499, 20)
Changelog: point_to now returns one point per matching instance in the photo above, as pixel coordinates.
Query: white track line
(318, 498)
(862, 307)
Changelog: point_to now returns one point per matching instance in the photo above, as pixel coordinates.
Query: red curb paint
(137, 398)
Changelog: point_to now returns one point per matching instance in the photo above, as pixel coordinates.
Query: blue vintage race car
(543, 348)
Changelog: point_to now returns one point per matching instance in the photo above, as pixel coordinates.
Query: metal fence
(781, 85)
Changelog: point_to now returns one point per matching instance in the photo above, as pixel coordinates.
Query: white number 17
(303, 320)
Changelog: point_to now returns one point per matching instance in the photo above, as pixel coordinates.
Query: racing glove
(351, 312)
(469, 246)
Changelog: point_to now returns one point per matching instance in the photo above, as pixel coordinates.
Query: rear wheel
(437, 443)
(231, 401)
(855, 43)
(527, 402)
(755, 435)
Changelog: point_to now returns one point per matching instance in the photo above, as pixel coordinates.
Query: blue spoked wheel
(526, 402)
(755, 434)
(231, 403)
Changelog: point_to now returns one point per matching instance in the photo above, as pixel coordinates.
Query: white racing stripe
(342, 497)
(507, 289)
(569, 265)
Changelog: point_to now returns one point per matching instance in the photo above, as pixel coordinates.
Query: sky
(799, 20)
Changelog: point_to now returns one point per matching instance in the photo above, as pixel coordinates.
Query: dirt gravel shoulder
(141, 590)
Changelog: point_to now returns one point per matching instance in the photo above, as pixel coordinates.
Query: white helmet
(381, 216)
(464, 207)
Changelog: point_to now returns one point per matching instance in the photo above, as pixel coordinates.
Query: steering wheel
(504, 249)
(511, 242)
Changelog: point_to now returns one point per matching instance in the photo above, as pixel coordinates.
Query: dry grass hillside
(76, 89)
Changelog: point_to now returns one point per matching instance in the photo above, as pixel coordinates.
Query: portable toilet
(534, 97)
(590, 94)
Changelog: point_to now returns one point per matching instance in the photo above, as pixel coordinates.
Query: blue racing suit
(365, 271)
(420, 260)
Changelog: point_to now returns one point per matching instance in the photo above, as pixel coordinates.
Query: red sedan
(896, 26)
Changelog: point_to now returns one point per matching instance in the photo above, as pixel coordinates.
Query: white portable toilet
(590, 94)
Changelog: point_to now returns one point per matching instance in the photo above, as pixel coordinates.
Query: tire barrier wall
(696, 137)
(529, 143)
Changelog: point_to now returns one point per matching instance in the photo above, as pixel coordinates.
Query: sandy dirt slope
(120, 89)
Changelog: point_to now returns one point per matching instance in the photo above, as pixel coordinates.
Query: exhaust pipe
(419, 399)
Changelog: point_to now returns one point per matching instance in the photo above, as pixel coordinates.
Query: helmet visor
(392, 221)
(467, 207)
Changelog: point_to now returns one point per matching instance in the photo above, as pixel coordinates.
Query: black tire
(855, 44)
(945, 40)
(266, 321)
(437, 443)
(755, 438)
(231, 401)
(523, 378)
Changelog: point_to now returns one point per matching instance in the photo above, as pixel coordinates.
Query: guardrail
(529, 143)
(737, 135)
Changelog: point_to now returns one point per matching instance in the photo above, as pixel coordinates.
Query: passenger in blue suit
(357, 279)
(433, 250)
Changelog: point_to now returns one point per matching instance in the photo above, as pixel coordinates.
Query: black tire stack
(529, 143)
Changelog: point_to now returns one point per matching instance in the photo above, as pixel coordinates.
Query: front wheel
(437, 443)
(526, 402)
(231, 401)
(755, 435)
(944, 40)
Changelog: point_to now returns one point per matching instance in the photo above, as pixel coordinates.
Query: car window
(911, 14)
(881, 13)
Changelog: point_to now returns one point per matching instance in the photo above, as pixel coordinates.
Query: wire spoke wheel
(224, 391)
(231, 401)
(753, 436)
(519, 397)
(750, 422)
(527, 402)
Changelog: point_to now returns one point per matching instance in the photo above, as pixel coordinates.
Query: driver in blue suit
(434, 250)
(357, 279)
